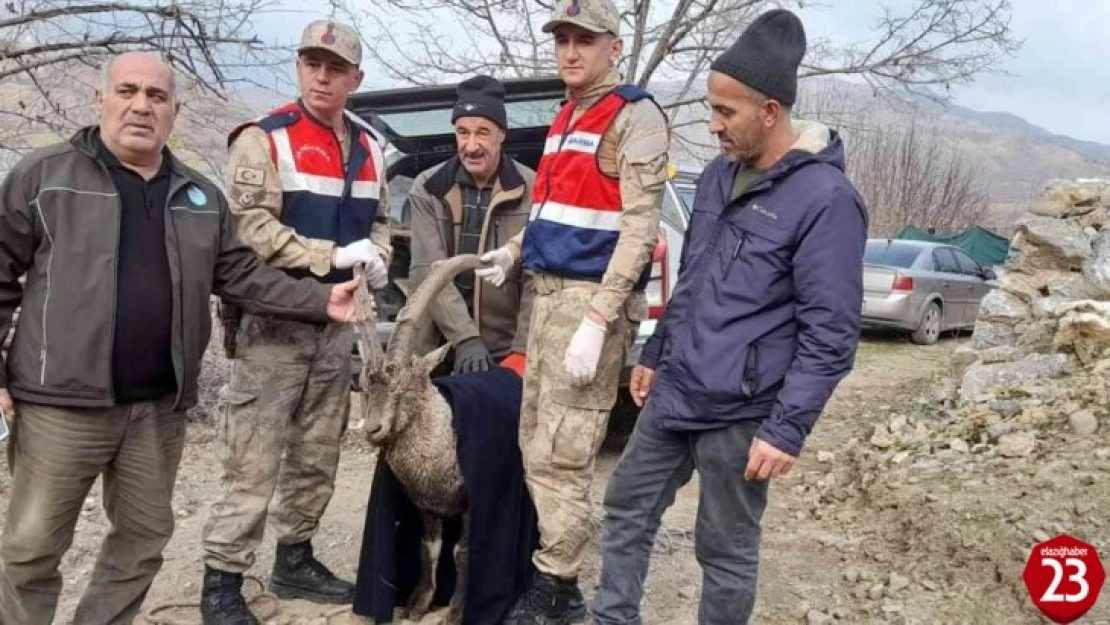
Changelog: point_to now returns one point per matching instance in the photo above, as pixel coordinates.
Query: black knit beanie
(767, 55)
(481, 96)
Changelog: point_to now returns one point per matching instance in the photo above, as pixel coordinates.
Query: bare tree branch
(51, 50)
(924, 49)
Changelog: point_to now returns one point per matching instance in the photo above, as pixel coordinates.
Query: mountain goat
(410, 421)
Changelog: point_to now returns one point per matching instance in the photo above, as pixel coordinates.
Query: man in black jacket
(122, 246)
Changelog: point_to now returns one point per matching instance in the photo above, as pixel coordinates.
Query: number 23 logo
(1079, 577)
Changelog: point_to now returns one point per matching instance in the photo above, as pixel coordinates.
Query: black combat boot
(221, 599)
(299, 575)
(547, 602)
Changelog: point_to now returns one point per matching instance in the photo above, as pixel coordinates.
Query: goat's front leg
(462, 551)
(431, 543)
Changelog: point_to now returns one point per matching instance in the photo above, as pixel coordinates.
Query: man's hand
(640, 384)
(471, 356)
(766, 461)
(496, 265)
(584, 352)
(7, 405)
(364, 251)
(341, 304)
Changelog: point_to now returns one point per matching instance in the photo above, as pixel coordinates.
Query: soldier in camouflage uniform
(308, 192)
(588, 245)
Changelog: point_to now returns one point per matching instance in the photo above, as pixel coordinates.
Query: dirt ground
(924, 530)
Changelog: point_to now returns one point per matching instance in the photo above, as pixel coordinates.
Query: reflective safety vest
(321, 199)
(576, 208)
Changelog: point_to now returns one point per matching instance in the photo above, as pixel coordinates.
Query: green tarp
(981, 244)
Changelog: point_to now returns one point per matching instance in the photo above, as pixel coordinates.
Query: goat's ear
(432, 360)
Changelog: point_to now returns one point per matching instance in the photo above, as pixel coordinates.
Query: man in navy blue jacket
(762, 326)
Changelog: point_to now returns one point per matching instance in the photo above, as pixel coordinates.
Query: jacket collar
(86, 139)
(316, 120)
(441, 182)
(593, 94)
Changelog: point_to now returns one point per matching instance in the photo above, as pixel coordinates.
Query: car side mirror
(989, 274)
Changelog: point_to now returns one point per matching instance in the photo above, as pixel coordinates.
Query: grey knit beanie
(767, 55)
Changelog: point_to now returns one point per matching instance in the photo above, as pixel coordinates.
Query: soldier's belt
(546, 284)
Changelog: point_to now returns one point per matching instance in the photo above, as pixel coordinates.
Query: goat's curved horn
(369, 347)
(415, 312)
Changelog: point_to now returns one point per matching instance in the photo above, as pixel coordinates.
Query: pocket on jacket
(769, 364)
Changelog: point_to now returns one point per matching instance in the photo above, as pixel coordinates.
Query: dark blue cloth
(765, 316)
(503, 531)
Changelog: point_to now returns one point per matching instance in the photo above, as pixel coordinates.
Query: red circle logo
(574, 9)
(1064, 577)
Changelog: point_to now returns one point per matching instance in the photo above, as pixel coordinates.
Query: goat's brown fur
(410, 421)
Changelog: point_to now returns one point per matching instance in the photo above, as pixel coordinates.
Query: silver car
(922, 287)
(415, 125)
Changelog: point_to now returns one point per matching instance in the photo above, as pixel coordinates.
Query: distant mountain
(1013, 123)
(1015, 158)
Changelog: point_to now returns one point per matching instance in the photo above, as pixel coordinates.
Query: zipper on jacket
(735, 254)
(46, 297)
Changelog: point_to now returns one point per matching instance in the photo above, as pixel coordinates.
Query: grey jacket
(59, 223)
(502, 314)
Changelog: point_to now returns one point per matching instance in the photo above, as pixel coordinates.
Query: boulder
(1002, 307)
(1096, 270)
(981, 377)
(1048, 243)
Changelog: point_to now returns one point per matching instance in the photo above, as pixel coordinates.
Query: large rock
(1096, 271)
(1046, 243)
(1084, 328)
(1049, 307)
(1002, 307)
(988, 334)
(1036, 336)
(982, 377)
(1096, 218)
(1066, 198)
(1070, 284)
(1029, 287)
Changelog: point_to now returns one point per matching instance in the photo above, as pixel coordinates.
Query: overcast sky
(1059, 80)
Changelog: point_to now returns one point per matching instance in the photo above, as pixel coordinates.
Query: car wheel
(928, 331)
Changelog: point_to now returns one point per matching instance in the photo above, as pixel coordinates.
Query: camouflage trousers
(284, 413)
(562, 425)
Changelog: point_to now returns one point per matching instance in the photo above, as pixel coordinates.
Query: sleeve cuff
(649, 356)
(777, 432)
(607, 305)
(515, 362)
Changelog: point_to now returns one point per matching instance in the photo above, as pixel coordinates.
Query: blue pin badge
(196, 196)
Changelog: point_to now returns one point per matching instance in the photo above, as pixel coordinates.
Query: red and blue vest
(576, 208)
(321, 199)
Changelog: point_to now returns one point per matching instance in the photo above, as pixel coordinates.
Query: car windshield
(891, 253)
(523, 114)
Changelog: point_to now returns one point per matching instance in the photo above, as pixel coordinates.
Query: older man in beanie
(307, 190)
(588, 245)
(471, 204)
(762, 326)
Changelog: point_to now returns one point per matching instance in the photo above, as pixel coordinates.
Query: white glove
(364, 251)
(584, 352)
(497, 264)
